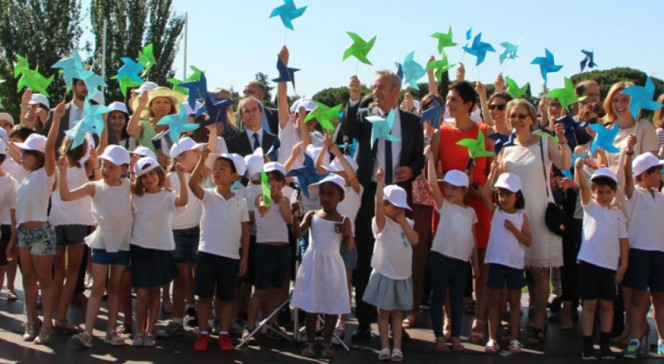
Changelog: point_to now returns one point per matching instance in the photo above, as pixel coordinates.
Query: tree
(131, 25)
(44, 31)
(607, 78)
(264, 80)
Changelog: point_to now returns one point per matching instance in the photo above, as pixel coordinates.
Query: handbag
(554, 217)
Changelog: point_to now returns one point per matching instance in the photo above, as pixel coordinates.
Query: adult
(658, 122)
(34, 110)
(118, 119)
(270, 116)
(254, 135)
(460, 103)
(589, 89)
(230, 129)
(149, 108)
(402, 161)
(530, 158)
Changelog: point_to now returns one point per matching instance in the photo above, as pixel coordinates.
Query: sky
(233, 40)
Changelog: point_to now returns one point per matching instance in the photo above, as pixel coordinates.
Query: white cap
(4, 136)
(274, 166)
(144, 152)
(456, 177)
(508, 181)
(184, 145)
(3, 147)
(118, 106)
(254, 162)
(604, 172)
(336, 165)
(240, 165)
(396, 196)
(116, 154)
(144, 165)
(39, 99)
(6, 116)
(146, 86)
(212, 158)
(99, 98)
(307, 104)
(333, 178)
(644, 162)
(34, 142)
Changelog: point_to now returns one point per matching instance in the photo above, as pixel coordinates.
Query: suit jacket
(356, 125)
(241, 145)
(272, 116)
(64, 126)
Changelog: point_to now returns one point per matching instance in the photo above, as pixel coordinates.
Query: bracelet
(629, 153)
(561, 142)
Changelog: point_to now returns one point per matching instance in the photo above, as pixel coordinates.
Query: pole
(186, 26)
(103, 53)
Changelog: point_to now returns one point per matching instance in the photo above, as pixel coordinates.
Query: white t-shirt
(393, 253)
(153, 214)
(112, 210)
(454, 236)
(602, 227)
(192, 212)
(503, 247)
(14, 169)
(221, 224)
(272, 227)
(8, 187)
(32, 196)
(644, 211)
(78, 212)
(288, 137)
(250, 193)
(350, 205)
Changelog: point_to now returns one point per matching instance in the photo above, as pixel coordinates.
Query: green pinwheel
(360, 48)
(444, 40)
(323, 114)
(440, 66)
(476, 148)
(566, 95)
(514, 90)
(146, 58)
(267, 190)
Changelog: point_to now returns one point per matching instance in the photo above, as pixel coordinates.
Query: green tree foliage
(607, 78)
(131, 25)
(44, 31)
(264, 80)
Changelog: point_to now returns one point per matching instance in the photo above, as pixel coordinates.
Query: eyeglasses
(500, 107)
(592, 121)
(519, 116)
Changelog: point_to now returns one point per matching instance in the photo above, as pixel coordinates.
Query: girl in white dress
(320, 286)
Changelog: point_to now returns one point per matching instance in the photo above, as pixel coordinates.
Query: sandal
(327, 352)
(139, 340)
(536, 337)
(84, 339)
(44, 335)
(309, 351)
(397, 355)
(516, 347)
(477, 332)
(384, 354)
(492, 347)
(410, 321)
(114, 339)
(148, 341)
(65, 328)
(124, 329)
(456, 344)
(30, 330)
(11, 295)
(441, 344)
(447, 329)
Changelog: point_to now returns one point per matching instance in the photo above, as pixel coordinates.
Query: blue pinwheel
(509, 52)
(197, 90)
(285, 73)
(641, 97)
(433, 114)
(604, 138)
(273, 153)
(70, 67)
(412, 71)
(287, 13)
(178, 124)
(306, 175)
(215, 110)
(588, 60)
(546, 64)
(382, 127)
(502, 141)
(478, 48)
(129, 74)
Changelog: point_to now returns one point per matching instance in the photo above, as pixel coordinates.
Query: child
(186, 233)
(645, 207)
(8, 187)
(453, 246)
(346, 167)
(272, 250)
(510, 233)
(390, 286)
(320, 286)
(602, 257)
(109, 243)
(151, 247)
(224, 230)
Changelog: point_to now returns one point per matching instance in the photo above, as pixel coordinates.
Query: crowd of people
(223, 214)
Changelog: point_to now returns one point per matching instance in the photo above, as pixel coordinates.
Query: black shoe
(589, 353)
(190, 317)
(606, 353)
(361, 334)
(555, 304)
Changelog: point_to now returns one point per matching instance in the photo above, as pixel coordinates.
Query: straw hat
(161, 91)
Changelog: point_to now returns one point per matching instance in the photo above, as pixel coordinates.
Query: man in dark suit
(270, 118)
(402, 162)
(253, 136)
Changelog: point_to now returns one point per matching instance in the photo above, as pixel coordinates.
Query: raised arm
(182, 197)
(282, 89)
(49, 153)
(379, 213)
(86, 190)
(580, 178)
(351, 124)
(433, 85)
(629, 155)
(351, 176)
(320, 158)
(134, 127)
(197, 175)
(431, 177)
(295, 154)
(484, 104)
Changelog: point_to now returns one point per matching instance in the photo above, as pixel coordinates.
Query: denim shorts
(39, 239)
(501, 275)
(186, 244)
(101, 256)
(71, 235)
(349, 258)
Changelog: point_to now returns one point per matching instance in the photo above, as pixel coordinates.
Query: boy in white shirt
(602, 257)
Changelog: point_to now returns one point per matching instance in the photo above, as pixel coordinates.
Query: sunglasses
(519, 116)
(500, 107)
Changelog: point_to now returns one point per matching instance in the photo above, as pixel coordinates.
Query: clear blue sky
(233, 40)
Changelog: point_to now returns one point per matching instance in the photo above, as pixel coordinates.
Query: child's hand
(509, 225)
(566, 183)
(180, 169)
(295, 208)
(380, 175)
(283, 55)
(10, 251)
(205, 152)
(262, 209)
(62, 163)
(60, 110)
(428, 153)
(494, 166)
(579, 164)
(620, 274)
(297, 150)
(401, 217)
(243, 267)
(631, 142)
(25, 99)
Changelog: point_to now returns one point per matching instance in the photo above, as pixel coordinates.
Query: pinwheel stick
(469, 165)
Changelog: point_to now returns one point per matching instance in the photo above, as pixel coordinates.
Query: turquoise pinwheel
(479, 49)
(547, 64)
(178, 124)
(412, 71)
(69, 67)
(129, 74)
(642, 97)
(77, 133)
(604, 138)
(509, 52)
(287, 13)
(382, 127)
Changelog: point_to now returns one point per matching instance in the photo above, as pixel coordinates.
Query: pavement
(560, 346)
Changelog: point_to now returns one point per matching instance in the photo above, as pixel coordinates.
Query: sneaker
(515, 347)
(190, 317)
(149, 341)
(632, 350)
(225, 343)
(172, 329)
(11, 295)
(202, 342)
(660, 348)
(492, 347)
(606, 353)
(236, 328)
(83, 339)
(589, 354)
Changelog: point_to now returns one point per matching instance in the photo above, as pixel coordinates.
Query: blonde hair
(658, 118)
(532, 112)
(615, 89)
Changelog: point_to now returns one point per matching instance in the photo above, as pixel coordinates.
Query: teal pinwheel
(641, 97)
(360, 48)
(382, 127)
(287, 13)
(324, 114)
(514, 90)
(178, 124)
(509, 52)
(478, 48)
(476, 148)
(412, 71)
(93, 115)
(70, 67)
(129, 74)
(566, 95)
(604, 138)
(547, 64)
(77, 133)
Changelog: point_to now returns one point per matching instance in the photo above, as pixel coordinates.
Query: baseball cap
(118, 106)
(39, 99)
(336, 165)
(604, 172)
(6, 116)
(212, 157)
(144, 152)
(34, 142)
(396, 196)
(144, 165)
(644, 162)
(184, 145)
(274, 166)
(254, 162)
(116, 154)
(456, 177)
(508, 181)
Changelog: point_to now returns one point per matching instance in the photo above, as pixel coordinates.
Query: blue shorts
(39, 239)
(272, 265)
(186, 244)
(214, 271)
(596, 282)
(102, 257)
(349, 258)
(645, 271)
(151, 268)
(71, 235)
(501, 275)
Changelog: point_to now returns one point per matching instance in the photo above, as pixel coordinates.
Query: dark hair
(277, 176)
(341, 190)
(466, 91)
(139, 190)
(21, 131)
(230, 162)
(604, 181)
(519, 204)
(2, 158)
(74, 154)
(41, 158)
(503, 95)
(428, 100)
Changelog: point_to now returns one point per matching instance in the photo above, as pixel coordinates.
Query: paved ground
(560, 346)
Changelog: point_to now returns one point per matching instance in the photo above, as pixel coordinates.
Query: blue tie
(257, 144)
